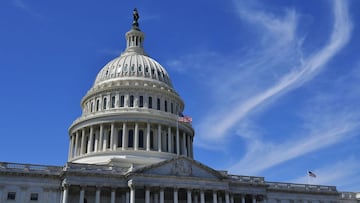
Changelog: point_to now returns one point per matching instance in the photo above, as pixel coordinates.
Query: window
(150, 102)
(112, 101)
(11, 195)
(97, 105)
(141, 104)
(122, 101)
(141, 139)
(152, 140)
(105, 101)
(165, 106)
(34, 196)
(91, 107)
(172, 107)
(131, 101)
(108, 139)
(158, 104)
(120, 138)
(131, 138)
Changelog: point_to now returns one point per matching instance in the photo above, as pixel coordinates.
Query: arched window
(131, 138)
(92, 107)
(150, 102)
(165, 103)
(141, 139)
(119, 141)
(113, 102)
(104, 104)
(158, 104)
(141, 102)
(122, 101)
(131, 101)
(97, 105)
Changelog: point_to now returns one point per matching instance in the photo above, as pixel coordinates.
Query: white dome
(133, 65)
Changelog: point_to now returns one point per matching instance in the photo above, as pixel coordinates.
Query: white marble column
(147, 195)
(65, 194)
(159, 139)
(176, 198)
(76, 148)
(124, 137)
(242, 198)
(214, 197)
(112, 136)
(169, 140)
(132, 194)
(96, 144)
(202, 196)
(83, 141)
(105, 139)
(97, 195)
(148, 137)
(90, 141)
(253, 198)
(82, 195)
(177, 141)
(113, 195)
(227, 199)
(136, 137)
(189, 196)
(101, 136)
(161, 195)
(184, 151)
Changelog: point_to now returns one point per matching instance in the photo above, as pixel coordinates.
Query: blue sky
(273, 87)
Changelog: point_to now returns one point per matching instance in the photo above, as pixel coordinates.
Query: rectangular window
(131, 101)
(122, 101)
(34, 196)
(165, 103)
(11, 195)
(141, 104)
(172, 108)
(113, 102)
(150, 102)
(158, 104)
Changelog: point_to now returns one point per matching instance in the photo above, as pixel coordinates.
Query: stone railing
(91, 168)
(300, 187)
(29, 168)
(248, 179)
(350, 195)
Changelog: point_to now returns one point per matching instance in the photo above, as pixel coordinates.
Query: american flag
(311, 174)
(185, 119)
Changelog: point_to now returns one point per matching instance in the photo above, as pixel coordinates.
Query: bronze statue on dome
(136, 17)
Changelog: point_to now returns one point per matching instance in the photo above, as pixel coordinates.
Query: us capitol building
(130, 146)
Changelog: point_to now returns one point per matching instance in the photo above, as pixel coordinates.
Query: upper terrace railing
(301, 187)
(247, 179)
(30, 168)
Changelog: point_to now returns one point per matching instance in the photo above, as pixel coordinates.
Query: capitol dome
(130, 116)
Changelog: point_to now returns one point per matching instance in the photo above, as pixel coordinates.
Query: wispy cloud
(310, 67)
(26, 8)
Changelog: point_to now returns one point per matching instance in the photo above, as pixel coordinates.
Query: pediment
(181, 166)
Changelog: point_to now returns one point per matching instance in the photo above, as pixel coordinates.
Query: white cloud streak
(310, 67)
(26, 8)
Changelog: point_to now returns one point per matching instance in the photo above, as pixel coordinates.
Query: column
(101, 135)
(214, 197)
(188, 196)
(96, 144)
(184, 144)
(65, 194)
(132, 194)
(169, 140)
(113, 194)
(112, 137)
(76, 148)
(105, 139)
(147, 195)
(70, 146)
(159, 138)
(97, 195)
(177, 142)
(242, 198)
(202, 196)
(136, 138)
(90, 141)
(148, 137)
(232, 198)
(227, 199)
(82, 195)
(176, 199)
(82, 141)
(124, 136)
(253, 198)
(161, 195)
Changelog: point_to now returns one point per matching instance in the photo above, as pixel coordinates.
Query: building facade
(128, 146)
